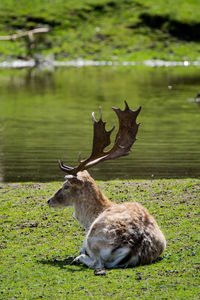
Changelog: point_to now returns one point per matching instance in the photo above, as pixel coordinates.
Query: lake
(46, 116)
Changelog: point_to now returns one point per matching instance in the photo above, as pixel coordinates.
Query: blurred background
(61, 60)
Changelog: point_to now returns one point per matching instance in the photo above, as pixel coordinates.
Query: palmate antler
(124, 140)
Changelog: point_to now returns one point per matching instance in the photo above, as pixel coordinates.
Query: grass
(104, 29)
(38, 244)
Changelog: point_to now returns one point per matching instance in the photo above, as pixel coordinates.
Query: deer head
(79, 187)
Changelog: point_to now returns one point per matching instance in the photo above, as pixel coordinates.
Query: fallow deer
(118, 235)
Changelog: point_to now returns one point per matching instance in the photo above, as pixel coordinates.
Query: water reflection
(46, 116)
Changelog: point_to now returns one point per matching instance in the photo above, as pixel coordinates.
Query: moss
(126, 30)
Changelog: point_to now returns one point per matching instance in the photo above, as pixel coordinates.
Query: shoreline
(50, 63)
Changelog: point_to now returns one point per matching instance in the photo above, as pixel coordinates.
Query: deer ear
(73, 180)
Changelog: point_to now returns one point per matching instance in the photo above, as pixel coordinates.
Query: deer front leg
(92, 263)
(83, 248)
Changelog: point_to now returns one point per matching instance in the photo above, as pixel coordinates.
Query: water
(46, 116)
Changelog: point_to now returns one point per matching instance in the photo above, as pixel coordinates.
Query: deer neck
(91, 202)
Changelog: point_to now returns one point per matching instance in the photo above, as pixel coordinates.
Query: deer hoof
(75, 261)
(99, 272)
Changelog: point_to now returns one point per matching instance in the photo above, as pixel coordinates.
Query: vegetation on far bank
(103, 29)
(38, 244)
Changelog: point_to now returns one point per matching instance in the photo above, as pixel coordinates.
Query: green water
(46, 116)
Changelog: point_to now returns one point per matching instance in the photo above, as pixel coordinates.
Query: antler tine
(79, 157)
(126, 105)
(100, 115)
(93, 117)
(124, 140)
(64, 167)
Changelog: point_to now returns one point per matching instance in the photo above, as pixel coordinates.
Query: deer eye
(66, 186)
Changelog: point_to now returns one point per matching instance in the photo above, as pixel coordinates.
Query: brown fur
(118, 235)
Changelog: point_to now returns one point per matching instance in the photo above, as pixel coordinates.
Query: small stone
(138, 276)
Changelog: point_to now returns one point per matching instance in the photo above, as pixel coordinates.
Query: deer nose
(48, 201)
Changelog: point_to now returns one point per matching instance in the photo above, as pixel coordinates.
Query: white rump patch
(110, 259)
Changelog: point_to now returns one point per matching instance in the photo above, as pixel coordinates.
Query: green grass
(104, 29)
(38, 244)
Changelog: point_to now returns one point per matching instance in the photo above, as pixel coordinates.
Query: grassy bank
(104, 29)
(38, 244)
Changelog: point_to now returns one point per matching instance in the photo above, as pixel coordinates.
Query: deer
(117, 235)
